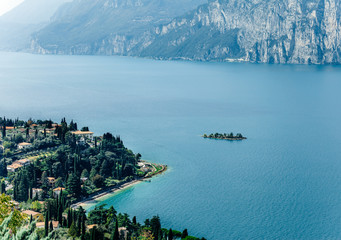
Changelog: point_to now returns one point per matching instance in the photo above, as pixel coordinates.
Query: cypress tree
(69, 218)
(60, 215)
(51, 226)
(184, 234)
(3, 168)
(46, 224)
(79, 224)
(170, 234)
(4, 129)
(27, 133)
(134, 220)
(115, 236)
(83, 225)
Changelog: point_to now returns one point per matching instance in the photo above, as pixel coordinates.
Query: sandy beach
(99, 196)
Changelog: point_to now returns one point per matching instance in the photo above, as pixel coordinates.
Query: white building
(24, 145)
(83, 136)
(37, 192)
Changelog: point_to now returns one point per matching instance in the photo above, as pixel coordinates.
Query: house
(23, 162)
(36, 215)
(57, 191)
(15, 204)
(37, 193)
(13, 167)
(83, 179)
(84, 135)
(89, 227)
(24, 145)
(51, 180)
(123, 232)
(55, 224)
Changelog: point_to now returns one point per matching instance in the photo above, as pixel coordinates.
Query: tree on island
(170, 234)
(184, 234)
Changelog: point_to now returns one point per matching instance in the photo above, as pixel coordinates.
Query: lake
(283, 182)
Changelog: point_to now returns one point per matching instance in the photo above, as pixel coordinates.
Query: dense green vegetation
(225, 136)
(46, 167)
(82, 165)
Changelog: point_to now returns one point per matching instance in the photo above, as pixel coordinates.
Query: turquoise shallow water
(283, 182)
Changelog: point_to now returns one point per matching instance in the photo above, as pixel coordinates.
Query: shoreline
(111, 190)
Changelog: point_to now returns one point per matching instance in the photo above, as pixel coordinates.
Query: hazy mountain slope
(287, 31)
(33, 11)
(106, 26)
(17, 25)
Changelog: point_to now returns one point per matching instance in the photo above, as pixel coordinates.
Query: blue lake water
(283, 182)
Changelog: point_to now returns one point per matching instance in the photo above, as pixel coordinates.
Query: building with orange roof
(57, 191)
(13, 167)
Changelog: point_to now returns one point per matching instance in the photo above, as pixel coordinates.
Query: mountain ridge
(259, 31)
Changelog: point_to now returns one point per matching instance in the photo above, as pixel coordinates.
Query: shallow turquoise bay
(283, 182)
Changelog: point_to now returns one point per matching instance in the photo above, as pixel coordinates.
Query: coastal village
(50, 171)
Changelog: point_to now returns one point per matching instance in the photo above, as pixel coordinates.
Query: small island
(225, 136)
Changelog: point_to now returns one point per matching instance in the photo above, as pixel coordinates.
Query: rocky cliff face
(266, 31)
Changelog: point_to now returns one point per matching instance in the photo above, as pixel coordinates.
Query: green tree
(115, 235)
(105, 168)
(51, 226)
(73, 230)
(98, 215)
(156, 227)
(184, 234)
(46, 224)
(98, 180)
(3, 168)
(73, 185)
(170, 234)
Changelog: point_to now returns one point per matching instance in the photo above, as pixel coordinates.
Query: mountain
(17, 26)
(106, 26)
(266, 31)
